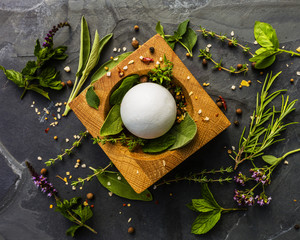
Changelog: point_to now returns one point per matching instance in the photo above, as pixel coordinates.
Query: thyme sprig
(233, 41)
(204, 53)
(260, 136)
(88, 178)
(67, 151)
(130, 141)
(201, 177)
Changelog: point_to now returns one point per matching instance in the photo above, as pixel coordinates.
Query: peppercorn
(236, 123)
(239, 66)
(143, 79)
(135, 43)
(43, 171)
(55, 137)
(151, 49)
(187, 54)
(292, 80)
(63, 84)
(239, 111)
(230, 44)
(219, 104)
(78, 161)
(70, 83)
(249, 81)
(90, 196)
(178, 97)
(131, 230)
(204, 62)
(253, 64)
(136, 28)
(261, 73)
(297, 226)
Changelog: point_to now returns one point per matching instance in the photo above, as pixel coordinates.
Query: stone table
(25, 212)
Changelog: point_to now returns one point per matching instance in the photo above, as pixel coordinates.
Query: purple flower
(241, 179)
(243, 198)
(259, 176)
(262, 199)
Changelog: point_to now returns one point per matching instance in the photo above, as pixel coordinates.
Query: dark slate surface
(24, 211)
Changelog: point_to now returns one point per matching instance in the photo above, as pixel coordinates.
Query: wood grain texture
(139, 169)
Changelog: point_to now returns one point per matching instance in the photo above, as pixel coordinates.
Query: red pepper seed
(47, 130)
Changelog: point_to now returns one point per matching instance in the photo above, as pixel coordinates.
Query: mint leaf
(49, 78)
(113, 122)
(14, 76)
(30, 68)
(205, 221)
(159, 144)
(264, 58)
(37, 48)
(189, 39)
(182, 27)
(160, 29)
(71, 230)
(84, 213)
(127, 83)
(92, 98)
(265, 35)
(202, 205)
(207, 195)
(34, 87)
(117, 184)
(59, 53)
(270, 159)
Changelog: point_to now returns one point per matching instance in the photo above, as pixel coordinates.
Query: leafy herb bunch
(39, 74)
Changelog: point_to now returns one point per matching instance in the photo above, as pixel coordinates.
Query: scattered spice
(55, 137)
(151, 49)
(136, 28)
(147, 60)
(39, 158)
(236, 123)
(187, 54)
(67, 69)
(204, 62)
(135, 43)
(131, 230)
(292, 80)
(47, 130)
(239, 66)
(70, 83)
(43, 171)
(222, 100)
(63, 84)
(239, 111)
(90, 196)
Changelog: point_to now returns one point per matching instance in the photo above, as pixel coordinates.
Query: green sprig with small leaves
(162, 75)
(67, 151)
(266, 125)
(204, 53)
(130, 141)
(231, 41)
(201, 177)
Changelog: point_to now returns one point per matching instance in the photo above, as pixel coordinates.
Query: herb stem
(80, 223)
(191, 54)
(289, 52)
(288, 153)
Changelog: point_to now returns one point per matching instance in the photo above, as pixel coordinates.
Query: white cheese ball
(148, 110)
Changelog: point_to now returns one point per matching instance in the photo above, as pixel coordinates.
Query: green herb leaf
(264, 59)
(14, 76)
(84, 213)
(49, 78)
(189, 39)
(184, 132)
(182, 27)
(113, 122)
(160, 29)
(191, 207)
(159, 144)
(92, 98)
(265, 35)
(117, 184)
(34, 87)
(205, 221)
(203, 205)
(127, 83)
(270, 159)
(30, 68)
(59, 53)
(85, 46)
(207, 195)
(71, 230)
(37, 48)
(110, 64)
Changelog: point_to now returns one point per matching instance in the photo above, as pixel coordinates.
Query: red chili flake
(124, 204)
(223, 102)
(217, 114)
(147, 60)
(121, 72)
(219, 69)
(92, 205)
(46, 130)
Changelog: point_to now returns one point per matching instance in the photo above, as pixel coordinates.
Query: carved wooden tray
(141, 170)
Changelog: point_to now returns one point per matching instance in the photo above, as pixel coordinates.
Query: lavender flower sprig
(49, 38)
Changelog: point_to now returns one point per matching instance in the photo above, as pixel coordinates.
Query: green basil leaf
(110, 64)
(127, 83)
(92, 98)
(118, 185)
(191, 207)
(14, 76)
(159, 144)
(49, 78)
(202, 205)
(59, 53)
(160, 29)
(84, 213)
(113, 122)
(207, 195)
(184, 132)
(37, 48)
(71, 230)
(265, 35)
(85, 46)
(30, 68)
(171, 44)
(182, 27)
(264, 59)
(35, 88)
(205, 222)
(189, 39)
(270, 159)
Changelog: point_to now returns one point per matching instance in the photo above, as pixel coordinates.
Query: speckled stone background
(24, 211)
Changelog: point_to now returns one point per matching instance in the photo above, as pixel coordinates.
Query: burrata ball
(148, 110)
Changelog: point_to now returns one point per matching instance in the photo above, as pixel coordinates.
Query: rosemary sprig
(204, 53)
(201, 177)
(130, 141)
(67, 151)
(88, 178)
(261, 136)
(233, 41)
